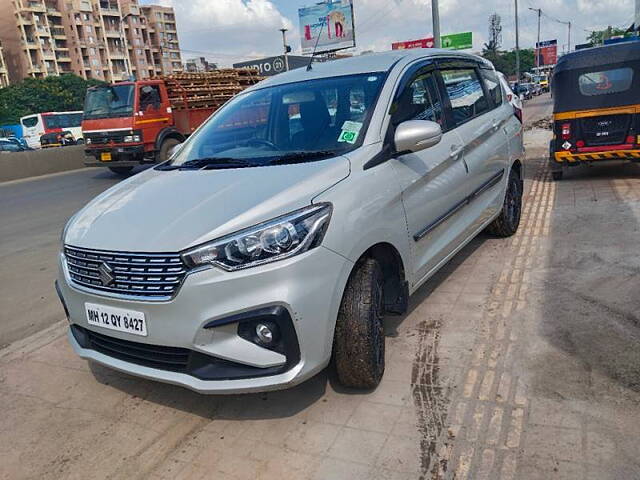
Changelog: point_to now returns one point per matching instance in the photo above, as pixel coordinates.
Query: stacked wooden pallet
(208, 89)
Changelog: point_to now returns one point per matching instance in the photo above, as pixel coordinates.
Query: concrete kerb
(19, 165)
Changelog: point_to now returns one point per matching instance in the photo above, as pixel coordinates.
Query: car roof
(362, 64)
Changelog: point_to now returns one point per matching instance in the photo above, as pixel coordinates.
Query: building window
(92, 51)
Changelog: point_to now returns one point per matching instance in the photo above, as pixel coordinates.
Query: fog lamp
(267, 333)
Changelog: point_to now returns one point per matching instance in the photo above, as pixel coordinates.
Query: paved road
(519, 360)
(537, 108)
(33, 215)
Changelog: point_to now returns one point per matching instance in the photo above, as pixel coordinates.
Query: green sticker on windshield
(350, 132)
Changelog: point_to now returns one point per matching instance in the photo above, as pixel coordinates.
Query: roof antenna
(313, 54)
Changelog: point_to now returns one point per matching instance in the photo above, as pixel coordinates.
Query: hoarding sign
(547, 53)
(458, 41)
(332, 21)
(422, 43)
(271, 66)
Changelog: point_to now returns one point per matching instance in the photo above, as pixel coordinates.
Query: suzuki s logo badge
(106, 274)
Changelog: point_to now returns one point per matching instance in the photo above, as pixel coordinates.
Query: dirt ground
(519, 360)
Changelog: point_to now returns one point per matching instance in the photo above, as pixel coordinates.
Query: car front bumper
(308, 287)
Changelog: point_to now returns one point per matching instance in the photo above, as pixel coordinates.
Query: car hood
(168, 211)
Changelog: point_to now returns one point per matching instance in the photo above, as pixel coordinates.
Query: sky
(228, 31)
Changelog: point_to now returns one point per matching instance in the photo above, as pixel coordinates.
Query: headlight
(275, 240)
(87, 140)
(128, 139)
(136, 138)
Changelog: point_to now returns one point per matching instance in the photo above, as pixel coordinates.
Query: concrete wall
(14, 166)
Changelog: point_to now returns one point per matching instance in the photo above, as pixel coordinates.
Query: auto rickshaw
(596, 112)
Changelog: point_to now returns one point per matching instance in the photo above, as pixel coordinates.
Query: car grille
(616, 127)
(106, 137)
(154, 356)
(141, 274)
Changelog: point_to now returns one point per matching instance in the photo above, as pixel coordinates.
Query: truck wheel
(506, 224)
(80, 141)
(121, 170)
(165, 149)
(358, 345)
(557, 175)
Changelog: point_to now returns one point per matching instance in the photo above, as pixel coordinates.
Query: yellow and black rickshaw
(596, 111)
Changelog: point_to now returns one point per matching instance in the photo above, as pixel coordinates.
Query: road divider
(18, 165)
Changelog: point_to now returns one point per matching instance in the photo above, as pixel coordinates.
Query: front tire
(359, 343)
(165, 149)
(507, 223)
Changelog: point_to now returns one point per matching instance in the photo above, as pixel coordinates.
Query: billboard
(271, 66)
(456, 41)
(328, 23)
(547, 53)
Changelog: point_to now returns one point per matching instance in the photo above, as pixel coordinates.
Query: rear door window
(465, 93)
(603, 83)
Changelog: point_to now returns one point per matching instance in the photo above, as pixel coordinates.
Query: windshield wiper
(302, 157)
(215, 162)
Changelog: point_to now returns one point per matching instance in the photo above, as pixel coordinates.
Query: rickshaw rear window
(606, 82)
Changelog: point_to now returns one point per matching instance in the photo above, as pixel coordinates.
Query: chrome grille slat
(153, 275)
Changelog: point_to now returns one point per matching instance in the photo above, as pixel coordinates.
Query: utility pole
(518, 45)
(435, 14)
(637, 22)
(539, 10)
(569, 49)
(286, 48)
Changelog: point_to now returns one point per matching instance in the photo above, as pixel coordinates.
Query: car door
(432, 180)
(480, 122)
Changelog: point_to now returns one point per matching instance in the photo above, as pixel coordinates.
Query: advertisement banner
(332, 22)
(458, 41)
(422, 43)
(547, 53)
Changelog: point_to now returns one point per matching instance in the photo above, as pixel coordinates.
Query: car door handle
(495, 125)
(456, 151)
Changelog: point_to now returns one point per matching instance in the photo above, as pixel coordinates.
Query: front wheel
(359, 343)
(121, 170)
(508, 221)
(166, 148)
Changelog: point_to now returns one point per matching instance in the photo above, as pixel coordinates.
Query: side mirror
(417, 135)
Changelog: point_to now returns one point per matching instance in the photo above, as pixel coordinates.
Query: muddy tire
(506, 224)
(121, 170)
(358, 346)
(165, 149)
(557, 176)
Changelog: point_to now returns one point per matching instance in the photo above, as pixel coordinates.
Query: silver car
(296, 218)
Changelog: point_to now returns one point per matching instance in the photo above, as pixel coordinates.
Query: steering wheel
(266, 143)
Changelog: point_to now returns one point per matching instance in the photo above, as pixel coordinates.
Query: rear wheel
(359, 343)
(506, 224)
(165, 149)
(557, 175)
(121, 170)
(80, 141)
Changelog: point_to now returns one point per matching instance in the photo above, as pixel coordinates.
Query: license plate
(118, 319)
(105, 157)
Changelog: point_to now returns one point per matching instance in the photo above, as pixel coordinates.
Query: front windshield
(289, 123)
(109, 101)
(62, 120)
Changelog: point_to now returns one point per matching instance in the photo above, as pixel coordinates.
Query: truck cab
(127, 124)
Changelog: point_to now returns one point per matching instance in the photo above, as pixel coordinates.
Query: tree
(597, 37)
(63, 93)
(505, 62)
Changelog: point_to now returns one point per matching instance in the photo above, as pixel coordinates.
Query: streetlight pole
(518, 45)
(539, 11)
(286, 49)
(435, 14)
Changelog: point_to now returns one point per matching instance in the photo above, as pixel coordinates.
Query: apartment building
(107, 40)
(199, 64)
(163, 37)
(4, 75)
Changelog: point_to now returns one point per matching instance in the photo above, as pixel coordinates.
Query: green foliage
(63, 93)
(505, 62)
(598, 37)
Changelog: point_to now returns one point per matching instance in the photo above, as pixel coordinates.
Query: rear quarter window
(606, 82)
